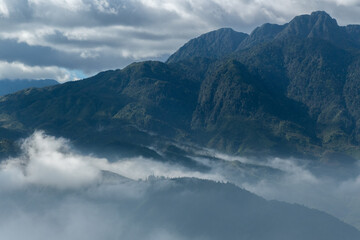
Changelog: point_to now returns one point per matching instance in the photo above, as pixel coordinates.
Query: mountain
(262, 34)
(112, 111)
(311, 61)
(318, 25)
(283, 90)
(215, 44)
(194, 209)
(11, 86)
(240, 114)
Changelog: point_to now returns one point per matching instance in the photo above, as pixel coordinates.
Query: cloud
(141, 168)
(51, 191)
(48, 161)
(51, 163)
(339, 197)
(291, 180)
(4, 11)
(95, 35)
(18, 70)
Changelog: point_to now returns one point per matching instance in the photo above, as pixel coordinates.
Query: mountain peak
(316, 18)
(323, 18)
(320, 14)
(264, 33)
(319, 25)
(214, 44)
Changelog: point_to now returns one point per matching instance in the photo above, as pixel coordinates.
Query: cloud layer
(51, 163)
(88, 36)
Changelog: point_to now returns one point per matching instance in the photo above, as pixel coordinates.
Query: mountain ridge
(288, 91)
(318, 25)
(213, 44)
(11, 86)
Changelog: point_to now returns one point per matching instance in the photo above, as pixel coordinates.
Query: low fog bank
(168, 209)
(295, 181)
(54, 191)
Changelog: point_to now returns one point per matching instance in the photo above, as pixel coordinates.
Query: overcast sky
(68, 39)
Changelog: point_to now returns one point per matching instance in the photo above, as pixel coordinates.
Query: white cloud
(346, 2)
(51, 162)
(141, 168)
(4, 11)
(105, 7)
(18, 70)
(71, 5)
(48, 161)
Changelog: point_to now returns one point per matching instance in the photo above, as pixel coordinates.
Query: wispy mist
(53, 191)
(48, 161)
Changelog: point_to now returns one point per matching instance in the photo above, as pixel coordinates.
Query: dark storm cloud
(95, 35)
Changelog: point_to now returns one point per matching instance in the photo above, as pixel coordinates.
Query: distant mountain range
(10, 86)
(284, 90)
